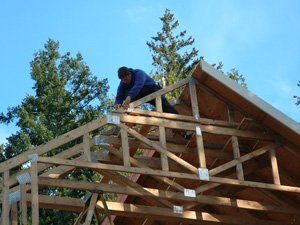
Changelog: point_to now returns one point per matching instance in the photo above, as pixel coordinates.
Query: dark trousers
(146, 90)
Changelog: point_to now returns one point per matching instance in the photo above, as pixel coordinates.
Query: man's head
(125, 75)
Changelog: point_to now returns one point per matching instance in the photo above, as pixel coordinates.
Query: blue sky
(259, 38)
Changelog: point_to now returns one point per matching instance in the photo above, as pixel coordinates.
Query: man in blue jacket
(136, 84)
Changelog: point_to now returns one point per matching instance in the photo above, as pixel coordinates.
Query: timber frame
(239, 165)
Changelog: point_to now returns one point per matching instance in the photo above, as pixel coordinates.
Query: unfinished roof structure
(240, 164)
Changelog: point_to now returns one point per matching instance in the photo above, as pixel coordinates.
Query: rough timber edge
(246, 95)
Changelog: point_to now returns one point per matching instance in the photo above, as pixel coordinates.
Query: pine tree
(66, 96)
(172, 53)
(174, 56)
(297, 97)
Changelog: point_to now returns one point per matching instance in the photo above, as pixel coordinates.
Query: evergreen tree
(172, 53)
(297, 97)
(174, 56)
(66, 96)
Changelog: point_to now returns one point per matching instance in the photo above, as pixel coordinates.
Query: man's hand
(126, 102)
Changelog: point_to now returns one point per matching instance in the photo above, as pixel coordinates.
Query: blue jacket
(139, 80)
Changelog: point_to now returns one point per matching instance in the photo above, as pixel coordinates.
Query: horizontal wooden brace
(156, 193)
(101, 166)
(147, 171)
(176, 148)
(192, 126)
(253, 184)
(177, 117)
(166, 214)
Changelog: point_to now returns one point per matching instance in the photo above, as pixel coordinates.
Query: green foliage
(174, 56)
(297, 97)
(234, 74)
(66, 96)
(172, 53)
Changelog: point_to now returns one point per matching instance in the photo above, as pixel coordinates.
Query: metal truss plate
(203, 174)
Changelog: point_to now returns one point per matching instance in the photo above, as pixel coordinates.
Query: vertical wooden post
(5, 199)
(111, 222)
(194, 99)
(23, 204)
(274, 166)
(91, 208)
(200, 148)
(125, 147)
(196, 114)
(96, 215)
(236, 154)
(231, 114)
(14, 214)
(86, 147)
(162, 137)
(34, 193)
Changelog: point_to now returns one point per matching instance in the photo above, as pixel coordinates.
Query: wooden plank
(60, 140)
(175, 148)
(192, 126)
(170, 195)
(151, 212)
(158, 93)
(147, 171)
(108, 214)
(14, 214)
(159, 148)
(274, 166)
(194, 100)
(97, 216)
(231, 114)
(236, 154)
(107, 167)
(125, 147)
(23, 204)
(5, 198)
(90, 211)
(34, 194)
(186, 216)
(200, 148)
(184, 118)
(148, 221)
(196, 114)
(79, 218)
(86, 147)
(133, 143)
(252, 184)
(162, 137)
(241, 159)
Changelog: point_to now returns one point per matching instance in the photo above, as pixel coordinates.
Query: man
(136, 84)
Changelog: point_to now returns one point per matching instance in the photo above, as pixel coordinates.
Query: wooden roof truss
(227, 172)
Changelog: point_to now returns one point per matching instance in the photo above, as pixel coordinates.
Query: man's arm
(140, 78)
(120, 94)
